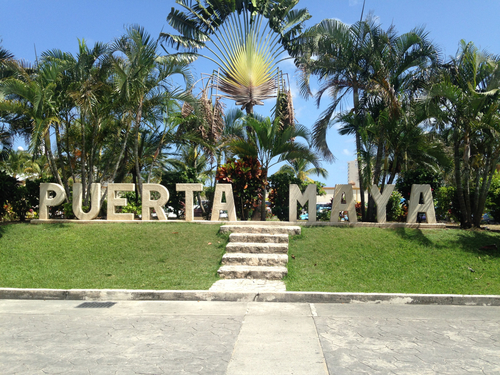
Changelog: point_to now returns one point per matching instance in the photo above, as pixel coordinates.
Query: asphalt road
(176, 337)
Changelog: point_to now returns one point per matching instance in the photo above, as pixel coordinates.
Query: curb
(390, 225)
(204, 295)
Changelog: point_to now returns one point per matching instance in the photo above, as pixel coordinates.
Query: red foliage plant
(248, 180)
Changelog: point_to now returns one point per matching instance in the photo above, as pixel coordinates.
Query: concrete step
(253, 247)
(268, 229)
(252, 272)
(258, 237)
(245, 259)
(248, 285)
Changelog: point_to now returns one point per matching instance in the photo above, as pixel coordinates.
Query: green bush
(279, 194)
(169, 179)
(417, 176)
(8, 187)
(20, 203)
(395, 211)
(446, 203)
(324, 215)
(133, 206)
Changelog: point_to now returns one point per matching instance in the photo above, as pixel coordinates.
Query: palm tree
(83, 88)
(141, 76)
(343, 56)
(35, 98)
(271, 144)
(300, 169)
(465, 102)
(373, 65)
(245, 39)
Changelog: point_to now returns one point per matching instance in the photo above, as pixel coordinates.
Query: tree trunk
(358, 152)
(91, 162)
(61, 163)
(487, 177)
(117, 165)
(464, 219)
(84, 158)
(263, 212)
(51, 161)
(136, 149)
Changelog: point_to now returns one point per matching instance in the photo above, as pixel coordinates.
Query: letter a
(415, 206)
(228, 206)
(348, 206)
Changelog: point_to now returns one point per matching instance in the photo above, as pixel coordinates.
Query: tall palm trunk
(358, 152)
(120, 157)
(92, 161)
(136, 148)
(51, 161)
(464, 221)
(61, 163)
(84, 159)
(263, 212)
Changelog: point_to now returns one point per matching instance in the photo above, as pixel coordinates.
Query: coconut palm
(245, 39)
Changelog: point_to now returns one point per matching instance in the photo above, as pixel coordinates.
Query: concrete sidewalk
(188, 337)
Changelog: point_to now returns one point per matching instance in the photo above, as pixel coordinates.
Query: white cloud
(20, 148)
(345, 151)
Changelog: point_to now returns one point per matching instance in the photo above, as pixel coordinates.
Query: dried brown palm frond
(284, 109)
(187, 109)
(218, 124)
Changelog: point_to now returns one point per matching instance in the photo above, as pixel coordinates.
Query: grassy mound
(187, 256)
(344, 259)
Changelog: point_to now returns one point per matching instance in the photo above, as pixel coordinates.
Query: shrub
(446, 203)
(395, 211)
(279, 194)
(248, 181)
(417, 176)
(169, 179)
(8, 187)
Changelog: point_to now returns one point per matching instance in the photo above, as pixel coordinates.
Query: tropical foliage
(245, 39)
(248, 181)
(128, 112)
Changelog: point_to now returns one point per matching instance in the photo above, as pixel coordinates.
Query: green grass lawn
(136, 256)
(187, 256)
(343, 259)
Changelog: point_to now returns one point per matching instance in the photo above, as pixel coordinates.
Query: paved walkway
(174, 337)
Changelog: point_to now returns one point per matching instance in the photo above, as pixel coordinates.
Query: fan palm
(245, 38)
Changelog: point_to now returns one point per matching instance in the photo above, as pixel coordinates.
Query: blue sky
(57, 24)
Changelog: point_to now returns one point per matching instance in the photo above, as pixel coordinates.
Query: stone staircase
(255, 252)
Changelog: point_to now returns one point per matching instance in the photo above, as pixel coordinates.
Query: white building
(352, 178)
(352, 173)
